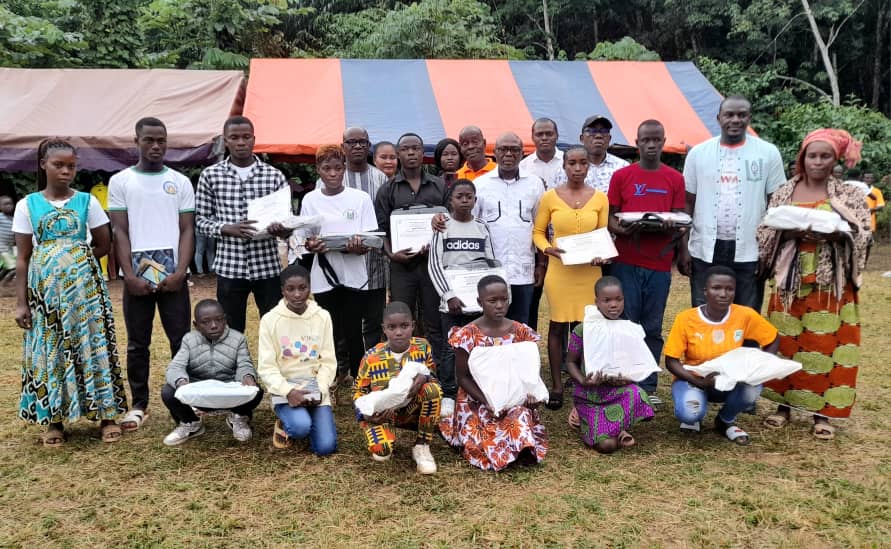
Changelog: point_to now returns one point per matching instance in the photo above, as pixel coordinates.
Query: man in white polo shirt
(545, 162)
(152, 208)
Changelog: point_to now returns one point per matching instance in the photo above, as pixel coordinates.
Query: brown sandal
(53, 437)
(110, 432)
(823, 431)
(776, 421)
(280, 438)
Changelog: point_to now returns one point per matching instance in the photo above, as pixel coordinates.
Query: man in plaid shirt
(243, 265)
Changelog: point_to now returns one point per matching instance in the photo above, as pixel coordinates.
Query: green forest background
(804, 63)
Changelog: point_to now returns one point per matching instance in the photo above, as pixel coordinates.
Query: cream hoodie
(293, 345)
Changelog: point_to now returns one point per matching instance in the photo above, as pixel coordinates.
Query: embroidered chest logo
(737, 335)
(349, 214)
(169, 187)
(718, 336)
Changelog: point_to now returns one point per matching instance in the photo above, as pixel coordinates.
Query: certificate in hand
(579, 249)
(463, 282)
(269, 209)
(412, 231)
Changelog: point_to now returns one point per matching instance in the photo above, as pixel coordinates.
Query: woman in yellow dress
(573, 208)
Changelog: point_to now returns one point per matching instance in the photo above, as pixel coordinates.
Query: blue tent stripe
(389, 98)
(564, 92)
(702, 96)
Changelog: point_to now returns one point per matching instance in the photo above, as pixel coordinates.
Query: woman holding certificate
(571, 209)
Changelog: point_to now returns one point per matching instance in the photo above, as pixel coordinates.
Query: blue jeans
(317, 423)
(646, 292)
(204, 245)
(520, 302)
(691, 402)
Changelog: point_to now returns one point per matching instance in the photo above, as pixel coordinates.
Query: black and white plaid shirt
(376, 262)
(222, 199)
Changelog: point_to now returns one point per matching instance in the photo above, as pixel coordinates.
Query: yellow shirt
(870, 203)
(695, 339)
(100, 191)
(466, 172)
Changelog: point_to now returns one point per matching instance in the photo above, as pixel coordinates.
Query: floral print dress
(485, 441)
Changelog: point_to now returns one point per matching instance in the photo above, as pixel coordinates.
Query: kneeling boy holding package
(212, 351)
(421, 411)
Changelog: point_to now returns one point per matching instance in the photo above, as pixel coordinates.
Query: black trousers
(445, 370)
(345, 305)
(408, 284)
(183, 413)
(373, 317)
(139, 317)
(749, 289)
(232, 293)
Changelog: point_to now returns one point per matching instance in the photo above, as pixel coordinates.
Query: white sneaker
(183, 432)
(241, 429)
(422, 456)
(447, 407)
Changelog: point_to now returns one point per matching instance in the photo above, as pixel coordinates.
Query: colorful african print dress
(606, 411)
(71, 367)
(486, 441)
(821, 332)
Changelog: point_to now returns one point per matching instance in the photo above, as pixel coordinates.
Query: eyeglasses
(511, 150)
(356, 143)
(596, 131)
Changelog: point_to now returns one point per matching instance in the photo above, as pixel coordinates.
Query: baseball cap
(591, 120)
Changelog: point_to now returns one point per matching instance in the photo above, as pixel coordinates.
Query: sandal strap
(733, 432)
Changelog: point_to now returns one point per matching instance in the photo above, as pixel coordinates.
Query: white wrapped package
(745, 365)
(396, 395)
(506, 374)
(216, 395)
(616, 347)
(805, 219)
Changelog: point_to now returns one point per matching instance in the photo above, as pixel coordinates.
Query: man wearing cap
(729, 180)
(473, 148)
(601, 164)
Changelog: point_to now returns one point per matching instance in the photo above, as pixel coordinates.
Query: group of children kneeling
(296, 343)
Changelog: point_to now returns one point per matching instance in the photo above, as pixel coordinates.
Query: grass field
(785, 489)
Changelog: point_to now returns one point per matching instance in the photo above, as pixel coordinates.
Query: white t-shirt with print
(727, 199)
(347, 212)
(153, 203)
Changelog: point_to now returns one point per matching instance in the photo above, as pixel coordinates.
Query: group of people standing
(508, 213)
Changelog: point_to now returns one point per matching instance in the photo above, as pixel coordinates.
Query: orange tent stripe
(295, 104)
(479, 93)
(636, 91)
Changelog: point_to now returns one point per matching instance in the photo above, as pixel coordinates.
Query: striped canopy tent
(299, 104)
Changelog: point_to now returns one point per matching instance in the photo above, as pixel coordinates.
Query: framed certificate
(579, 249)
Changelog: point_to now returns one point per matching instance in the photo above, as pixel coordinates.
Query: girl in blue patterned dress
(70, 367)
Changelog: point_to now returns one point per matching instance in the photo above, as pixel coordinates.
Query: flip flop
(737, 435)
(133, 420)
(280, 438)
(823, 431)
(555, 401)
(110, 432)
(53, 437)
(776, 421)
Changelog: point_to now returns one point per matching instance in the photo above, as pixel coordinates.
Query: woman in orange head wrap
(816, 279)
